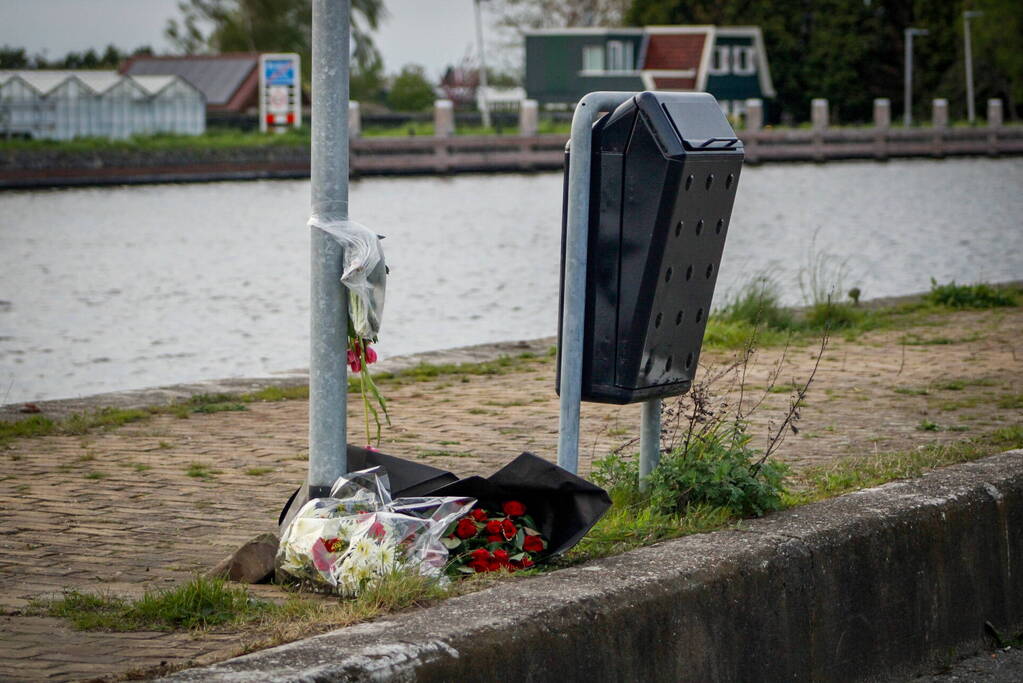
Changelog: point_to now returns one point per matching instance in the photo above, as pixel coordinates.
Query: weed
(200, 603)
(200, 471)
(96, 475)
(852, 474)
(977, 296)
(928, 426)
(258, 471)
(219, 407)
(911, 391)
(139, 467)
(1011, 402)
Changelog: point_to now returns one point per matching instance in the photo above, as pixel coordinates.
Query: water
(116, 288)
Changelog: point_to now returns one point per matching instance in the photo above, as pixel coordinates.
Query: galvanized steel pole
(971, 110)
(573, 307)
(482, 101)
(907, 99)
(649, 440)
(328, 377)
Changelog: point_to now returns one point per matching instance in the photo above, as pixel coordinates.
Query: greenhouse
(61, 105)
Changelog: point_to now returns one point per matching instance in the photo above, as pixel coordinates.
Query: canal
(104, 289)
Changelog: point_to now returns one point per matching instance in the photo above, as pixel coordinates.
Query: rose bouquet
(488, 541)
(347, 541)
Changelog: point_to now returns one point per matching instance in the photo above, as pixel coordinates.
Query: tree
(998, 52)
(848, 52)
(13, 57)
(532, 14)
(411, 91)
(267, 25)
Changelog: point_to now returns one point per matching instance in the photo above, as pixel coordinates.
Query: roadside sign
(280, 92)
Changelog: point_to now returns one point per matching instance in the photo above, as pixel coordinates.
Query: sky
(433, 33)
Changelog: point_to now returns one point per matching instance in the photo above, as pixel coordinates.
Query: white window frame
(744, 60)
(619, 55)
(593, 58)
(720, 61)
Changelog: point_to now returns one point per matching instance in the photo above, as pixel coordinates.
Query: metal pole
(907, 94)
(328, 377)
(907, 102)
(649, 441)
(576, 229)
(482, 100)
(971, 111)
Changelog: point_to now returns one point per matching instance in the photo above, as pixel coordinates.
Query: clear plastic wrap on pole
(345, 542)
(364, 272)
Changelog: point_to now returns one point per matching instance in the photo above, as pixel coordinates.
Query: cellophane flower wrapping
(348, 540)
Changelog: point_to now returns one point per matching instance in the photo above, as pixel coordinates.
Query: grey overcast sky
(433, 33)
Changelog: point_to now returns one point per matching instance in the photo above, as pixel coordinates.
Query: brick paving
(116, 512)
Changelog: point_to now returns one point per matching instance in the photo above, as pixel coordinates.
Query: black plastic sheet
(563, 505)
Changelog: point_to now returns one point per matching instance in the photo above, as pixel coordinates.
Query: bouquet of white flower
(345, 542)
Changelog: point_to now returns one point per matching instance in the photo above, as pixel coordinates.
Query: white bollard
(443, 118)
(354, 120)
(939, 113)
(819, 113)
(529, 117)
(882, 112)
(994, 112)
(754, 114)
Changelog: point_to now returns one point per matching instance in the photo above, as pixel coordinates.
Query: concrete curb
(873, 585)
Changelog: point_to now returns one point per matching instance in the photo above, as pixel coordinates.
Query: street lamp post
(481, 97)
(907, 102)
(971, 112)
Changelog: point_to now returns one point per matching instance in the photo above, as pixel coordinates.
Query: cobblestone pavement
(116, 511)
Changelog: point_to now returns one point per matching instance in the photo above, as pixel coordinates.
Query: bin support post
(576, 229)
(328, 309)
(649, 440)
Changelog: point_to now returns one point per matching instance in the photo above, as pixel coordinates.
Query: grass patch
(198, 470)
(198, 604)
(852, 474)
(911, 391)
(977, 296)
(1011, 402)
(258, 471)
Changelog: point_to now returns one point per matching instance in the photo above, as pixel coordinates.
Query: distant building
(729, 62)
(229, 82)
(61, 105)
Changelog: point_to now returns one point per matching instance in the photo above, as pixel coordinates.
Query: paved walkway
(116, 511)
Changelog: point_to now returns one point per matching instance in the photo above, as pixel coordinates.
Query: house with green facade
(729, 62)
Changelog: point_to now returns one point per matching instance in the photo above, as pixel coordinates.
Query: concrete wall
(875, 585)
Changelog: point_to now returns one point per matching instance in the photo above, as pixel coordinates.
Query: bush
(410, 90)
(717, 468)
(969, 296)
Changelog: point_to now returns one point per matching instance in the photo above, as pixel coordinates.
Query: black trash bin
(665, 169)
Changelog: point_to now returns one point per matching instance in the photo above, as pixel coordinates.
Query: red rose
(532, 544)
(466, 528)
(495, 539)
(509, 529)
(333, 544)
(478, 566)
(478, 515)
(493, 526)
(501, 556)
(494, 566)
(371, 355)
(526, 563)
(514, 508)
(480, 554)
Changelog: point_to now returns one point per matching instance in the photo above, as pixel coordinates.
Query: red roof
(666, 83)
(674, 51)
